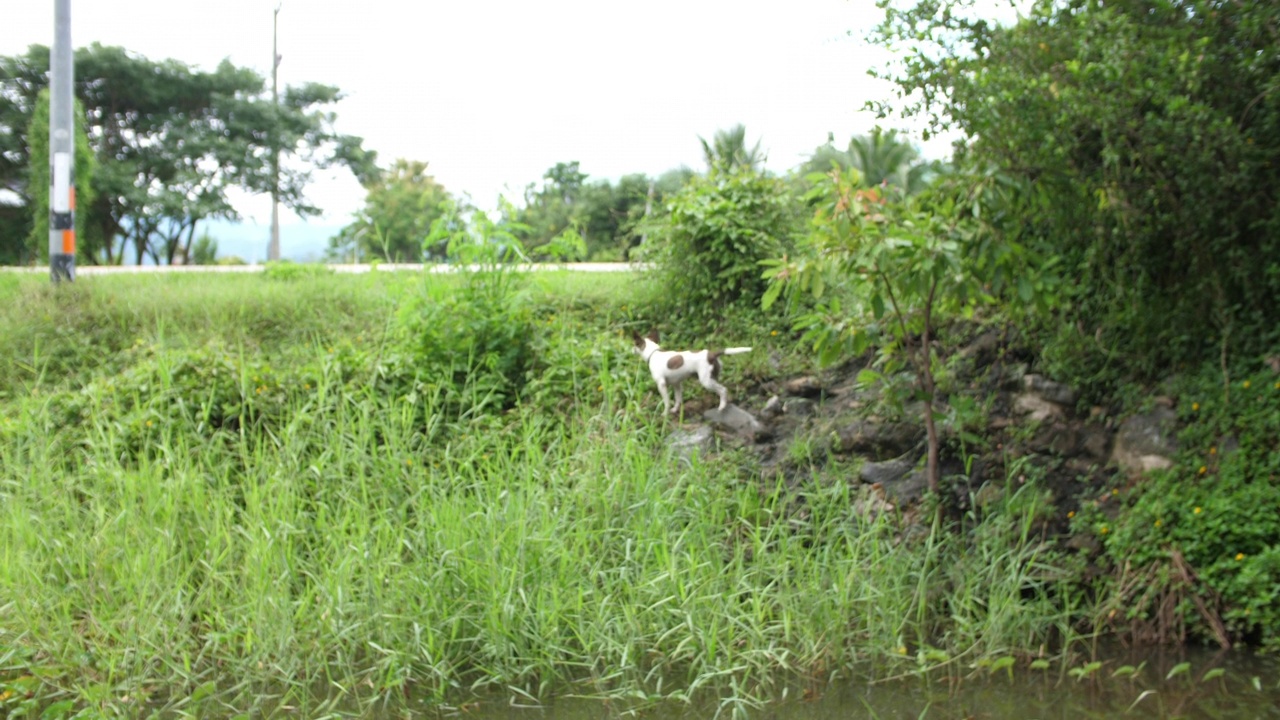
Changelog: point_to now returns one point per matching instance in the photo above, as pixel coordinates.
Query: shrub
(708, 248)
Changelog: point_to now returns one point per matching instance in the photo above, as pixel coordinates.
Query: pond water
(1247, 687)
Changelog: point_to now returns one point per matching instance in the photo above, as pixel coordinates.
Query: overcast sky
(492, 93)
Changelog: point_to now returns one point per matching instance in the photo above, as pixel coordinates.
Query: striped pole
(62, 190)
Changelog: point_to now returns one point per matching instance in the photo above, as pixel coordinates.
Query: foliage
(400, 206)
(172, 141)
(886, 266)
(38, 181)
(1215, 510)
(882, 159)
(706, 250)
(727, 151)
(1146, 135)
(204, 251)
(287, 270)
(602, 214)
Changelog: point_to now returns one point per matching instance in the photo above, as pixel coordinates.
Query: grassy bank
(224, 494)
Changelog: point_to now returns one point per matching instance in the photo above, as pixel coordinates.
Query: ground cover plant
(214, 519)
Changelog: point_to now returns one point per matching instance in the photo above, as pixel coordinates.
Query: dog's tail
(735, 350)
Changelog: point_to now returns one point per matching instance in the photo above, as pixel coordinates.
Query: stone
(805, 386)
(879, 440)
(887, 472)
(684, 444)
(798, 406)
(1095, 442)
(1037, 408)
(1146, 441)
(772, 408)
(1056, 436)
(1055, 392)
(734, 419)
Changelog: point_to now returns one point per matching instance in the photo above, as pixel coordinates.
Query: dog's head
(641, 342)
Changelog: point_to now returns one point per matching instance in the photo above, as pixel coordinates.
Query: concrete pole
(273, 250)
(62, 189)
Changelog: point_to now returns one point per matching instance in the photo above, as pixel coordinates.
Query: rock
(879, 440)
(1037, 408)
(806, 386)
(1012, 377)
(983, 347)
(1054, 392)
(773, 408)
(798, 406)
(734, 419)
(887, 472)
(1146, 441)
(1056, 436)
(1095, 441)
(684, 444)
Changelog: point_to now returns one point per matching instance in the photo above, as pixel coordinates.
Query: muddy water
(1248, 687)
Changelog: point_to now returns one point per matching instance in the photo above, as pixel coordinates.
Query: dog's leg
(717, 388)
(662, 390)
(679, 388)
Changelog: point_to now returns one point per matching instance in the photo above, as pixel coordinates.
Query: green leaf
(1179, 669)
(877, 306)
(1040, 664)
(1214, 673)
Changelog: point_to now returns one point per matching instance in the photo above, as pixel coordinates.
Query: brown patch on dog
(639, 341)
(675, 361)
(713, 357)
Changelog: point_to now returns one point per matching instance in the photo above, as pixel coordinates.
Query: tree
(399, 209)
(602, 215)
(1145, 136)
(882, 159)
(171, 141)
(87, 245)
(728, 151)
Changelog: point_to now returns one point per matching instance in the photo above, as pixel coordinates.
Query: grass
(328, 545)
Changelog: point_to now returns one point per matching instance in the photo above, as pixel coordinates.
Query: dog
(670, 368)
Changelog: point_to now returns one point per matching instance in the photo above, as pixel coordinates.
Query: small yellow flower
(1239, 556)
(148, 423)
(902, 649)
(1103, 530)
(599, 388)
(307, 386)
(1245, 384)
(1071, 514)
(1196, 511)
(1115, 491)
(1158, 523)
(1278, 386)
(408, 461)
(773, 332)
(1203, 470)
(1213, 451)
(1195, 407)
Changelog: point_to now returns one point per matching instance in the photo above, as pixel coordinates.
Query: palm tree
(881, 157)
(728, 150)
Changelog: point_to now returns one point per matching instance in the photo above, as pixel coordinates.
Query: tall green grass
(336, 547)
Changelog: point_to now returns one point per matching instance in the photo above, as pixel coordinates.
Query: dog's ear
(635, 338)
(653, 335)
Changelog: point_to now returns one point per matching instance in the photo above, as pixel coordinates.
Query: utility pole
(273, 250)
(62, 187)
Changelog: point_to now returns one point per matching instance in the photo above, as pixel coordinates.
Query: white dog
(671, 367)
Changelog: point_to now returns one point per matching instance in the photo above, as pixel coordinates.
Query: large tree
(881, 157)
(399, 209)
(172, 140)
(1147, 134)
(728, 150)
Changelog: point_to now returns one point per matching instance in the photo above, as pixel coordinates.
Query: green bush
(1215, 510)
(707, 250)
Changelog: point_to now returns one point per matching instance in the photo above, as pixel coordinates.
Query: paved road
(86, 270)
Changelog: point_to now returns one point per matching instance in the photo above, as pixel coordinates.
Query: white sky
(493, 92)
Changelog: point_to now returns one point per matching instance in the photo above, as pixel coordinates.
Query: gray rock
(798, 406)
(1146, 441)
(773, 408)
(806, 386)
(1037, 408)
(684, 444)
(902, 481)
(734, 419)
(879, 440)
(1054, 392)
(887, 472)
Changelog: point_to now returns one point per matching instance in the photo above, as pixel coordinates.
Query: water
(1248, 687)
